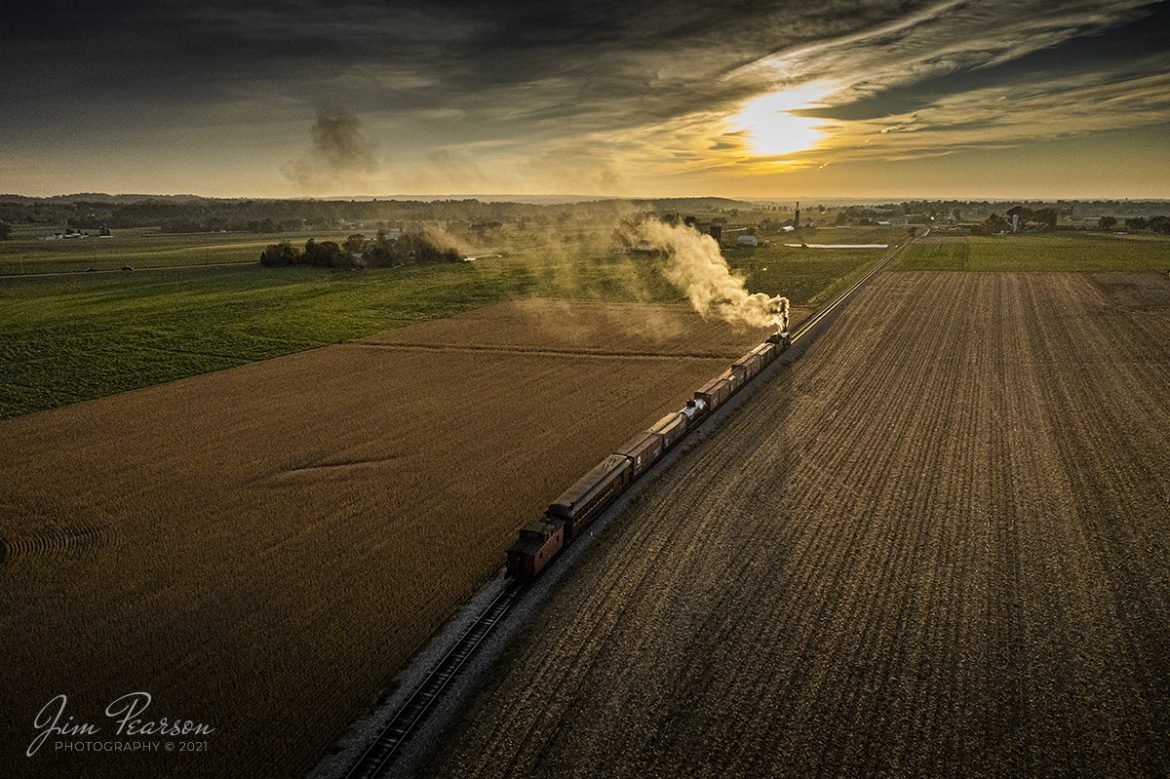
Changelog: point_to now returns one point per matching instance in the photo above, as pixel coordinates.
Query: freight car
(643, 450)
(718, 391)
(538, 544)
(671, 428)
(579, 504)
(576, 507)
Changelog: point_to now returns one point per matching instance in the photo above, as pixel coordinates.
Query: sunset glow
(992, 99)
(774, 130)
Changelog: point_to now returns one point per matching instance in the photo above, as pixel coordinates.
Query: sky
(878, 98)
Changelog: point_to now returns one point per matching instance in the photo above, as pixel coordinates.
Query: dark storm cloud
(1130, 49)
(534, 62)
(606, 62)
(540, 80)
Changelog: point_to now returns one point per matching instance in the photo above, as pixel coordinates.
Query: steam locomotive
(566, 517)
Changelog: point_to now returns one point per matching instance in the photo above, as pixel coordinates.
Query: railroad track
(807, 326)
(375, 761)
(378, 756)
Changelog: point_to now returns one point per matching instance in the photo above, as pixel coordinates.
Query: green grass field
(811, 276)
(1079, 252)
(75, 337)
(66, 341)
(141, 248)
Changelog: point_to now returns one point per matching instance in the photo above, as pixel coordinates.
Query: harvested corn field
(261, 548)
(936, 545)
(580, 327)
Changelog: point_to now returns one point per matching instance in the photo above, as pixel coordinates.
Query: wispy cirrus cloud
(530, 96)
(953, 76)
(941, 39)
(1009, 115)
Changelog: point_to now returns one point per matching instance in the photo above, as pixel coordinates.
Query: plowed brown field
(579, 327)
(939, 544)
(261, 548)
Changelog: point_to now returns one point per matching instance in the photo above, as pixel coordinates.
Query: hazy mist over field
(930, 99)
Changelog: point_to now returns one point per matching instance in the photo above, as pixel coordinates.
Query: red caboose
(539, 542)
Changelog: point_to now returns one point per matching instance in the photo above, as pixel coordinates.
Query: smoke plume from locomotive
(697, 267)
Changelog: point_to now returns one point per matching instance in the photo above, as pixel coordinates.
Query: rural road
(95, 272)
(935, 545)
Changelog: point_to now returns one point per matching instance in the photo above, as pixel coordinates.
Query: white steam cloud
(696, 266)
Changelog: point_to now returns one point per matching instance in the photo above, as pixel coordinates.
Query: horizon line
(569, 199)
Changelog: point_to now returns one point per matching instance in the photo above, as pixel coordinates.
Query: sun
(773, 129)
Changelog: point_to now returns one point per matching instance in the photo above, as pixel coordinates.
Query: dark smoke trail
(339, 151)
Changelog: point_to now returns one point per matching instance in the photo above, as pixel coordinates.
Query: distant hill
(697, 203)
(667, 203)
(102, 197)
(674, 203)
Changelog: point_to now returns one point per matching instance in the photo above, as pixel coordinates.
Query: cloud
(518, 69)
(944, 38)
(952, 76)
(612, 94)
(1010, 115)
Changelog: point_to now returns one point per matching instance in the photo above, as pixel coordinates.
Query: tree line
(1137, 224)
(1045, 218)
(196, 215)
(357, 251)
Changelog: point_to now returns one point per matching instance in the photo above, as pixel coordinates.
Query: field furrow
(935, 545)
(289, 532)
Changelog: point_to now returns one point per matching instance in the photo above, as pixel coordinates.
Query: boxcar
(715, 392)
(579, 504)
(644, 449)
(736, 381)
(747, 367)
(671, 427)
(766, 351)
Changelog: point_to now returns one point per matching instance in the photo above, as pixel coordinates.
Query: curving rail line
(379, 755)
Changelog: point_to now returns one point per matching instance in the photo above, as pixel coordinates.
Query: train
(541, 540)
